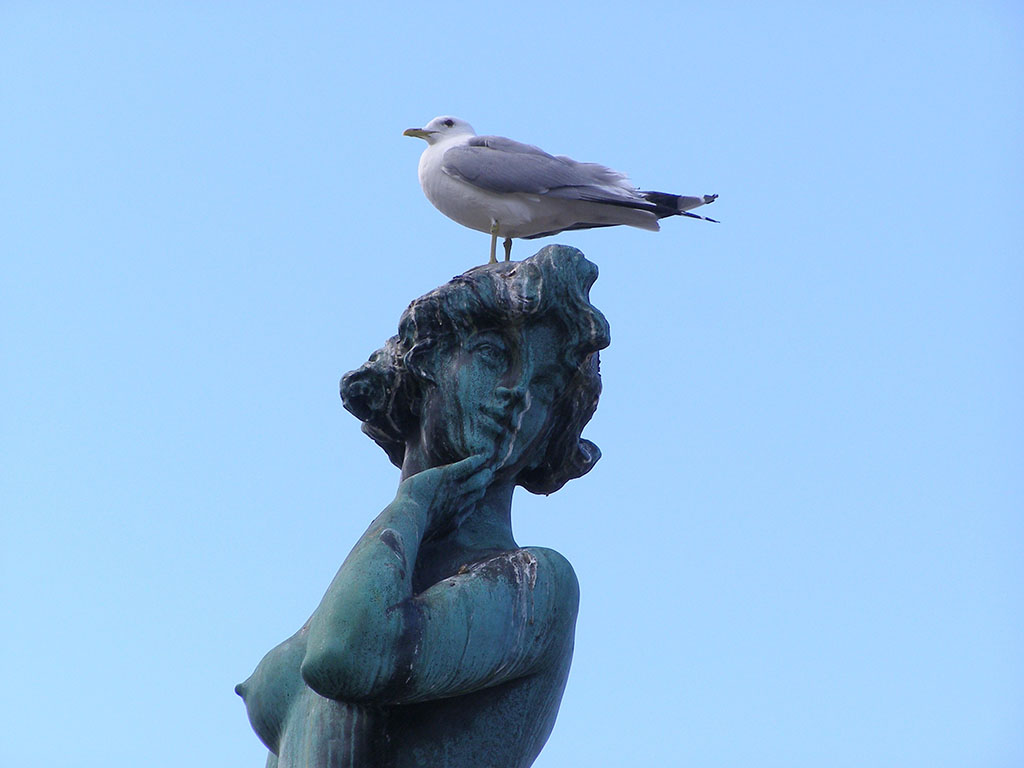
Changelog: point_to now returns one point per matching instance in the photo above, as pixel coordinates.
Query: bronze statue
(441, 642)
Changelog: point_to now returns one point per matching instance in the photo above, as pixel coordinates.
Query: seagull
(508, 189)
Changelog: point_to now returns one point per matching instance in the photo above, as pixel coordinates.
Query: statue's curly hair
(386, 392)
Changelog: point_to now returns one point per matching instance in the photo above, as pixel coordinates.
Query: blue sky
(802, 545)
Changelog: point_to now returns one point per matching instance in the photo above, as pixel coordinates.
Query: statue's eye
(449, 123)
(545, 388)
(492, 353)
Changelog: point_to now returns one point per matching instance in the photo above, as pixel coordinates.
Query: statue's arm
(355, 634)
(372, 640)
(510, 616)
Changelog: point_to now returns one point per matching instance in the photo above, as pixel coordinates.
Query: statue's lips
(500, 417)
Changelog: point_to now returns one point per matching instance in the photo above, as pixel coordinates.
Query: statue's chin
(456, 447)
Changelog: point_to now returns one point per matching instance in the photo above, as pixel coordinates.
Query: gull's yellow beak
(417, 133)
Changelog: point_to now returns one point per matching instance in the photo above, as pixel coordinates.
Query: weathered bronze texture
(441, 642)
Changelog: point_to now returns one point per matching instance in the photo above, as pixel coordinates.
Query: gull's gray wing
(502, 165)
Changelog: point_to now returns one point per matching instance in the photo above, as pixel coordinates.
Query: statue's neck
(485, 530)
(489, 525)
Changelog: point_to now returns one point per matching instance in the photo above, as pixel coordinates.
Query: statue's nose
(511, 396)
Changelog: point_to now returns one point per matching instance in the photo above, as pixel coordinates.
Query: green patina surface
(441, 642)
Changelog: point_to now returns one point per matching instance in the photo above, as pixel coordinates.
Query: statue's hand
(448, 493)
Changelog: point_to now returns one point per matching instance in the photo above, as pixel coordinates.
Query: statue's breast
(301, 727)
(273, 688)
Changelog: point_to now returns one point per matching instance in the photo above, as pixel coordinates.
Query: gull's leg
(508, 248)
(494, 241)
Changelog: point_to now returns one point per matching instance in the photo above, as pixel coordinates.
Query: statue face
(494, 396)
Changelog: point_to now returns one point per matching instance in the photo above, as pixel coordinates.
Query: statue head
(527, 332)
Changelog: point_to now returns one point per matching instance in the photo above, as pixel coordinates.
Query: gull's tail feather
(697, 216)
(678, 205)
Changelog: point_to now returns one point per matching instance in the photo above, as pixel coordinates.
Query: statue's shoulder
(554, 560)
(558, 572)
(531, 569)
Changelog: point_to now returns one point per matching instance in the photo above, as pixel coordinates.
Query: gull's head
(441, 128)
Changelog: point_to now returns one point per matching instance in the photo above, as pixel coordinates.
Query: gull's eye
(449, 123)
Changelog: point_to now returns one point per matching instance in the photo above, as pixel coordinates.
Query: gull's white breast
(470, 206)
